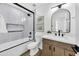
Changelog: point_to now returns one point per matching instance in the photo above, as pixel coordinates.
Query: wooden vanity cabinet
(55, 48)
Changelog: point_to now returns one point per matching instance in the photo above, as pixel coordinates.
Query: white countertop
(70, 40)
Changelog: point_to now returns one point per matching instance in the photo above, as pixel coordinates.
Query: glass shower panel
(12, 14)
(15, 18)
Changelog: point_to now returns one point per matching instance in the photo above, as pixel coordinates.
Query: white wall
(71, 8)
(77, 24)
(40, 11)
(28, 6)
(48, 17)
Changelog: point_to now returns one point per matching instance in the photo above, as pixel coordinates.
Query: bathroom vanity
(52, 47)
(56, 48)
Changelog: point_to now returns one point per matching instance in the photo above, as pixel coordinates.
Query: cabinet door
(57, 51)
(46, 50)
(69, 53)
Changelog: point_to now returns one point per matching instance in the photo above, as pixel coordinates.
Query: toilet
(34, 46)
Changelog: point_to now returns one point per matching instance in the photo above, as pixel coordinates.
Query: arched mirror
(60, 20)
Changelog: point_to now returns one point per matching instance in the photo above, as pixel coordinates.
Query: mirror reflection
(61, 21)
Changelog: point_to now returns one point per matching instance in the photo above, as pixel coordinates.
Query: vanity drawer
(48, 41)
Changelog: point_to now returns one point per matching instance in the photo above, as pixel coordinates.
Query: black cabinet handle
(49, 47)
(54, 49)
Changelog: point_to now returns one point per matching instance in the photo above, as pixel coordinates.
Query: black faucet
(58, 32)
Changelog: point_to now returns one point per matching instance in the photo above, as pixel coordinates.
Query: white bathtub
(16, 51)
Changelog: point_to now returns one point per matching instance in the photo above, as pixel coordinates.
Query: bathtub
(17, 47)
